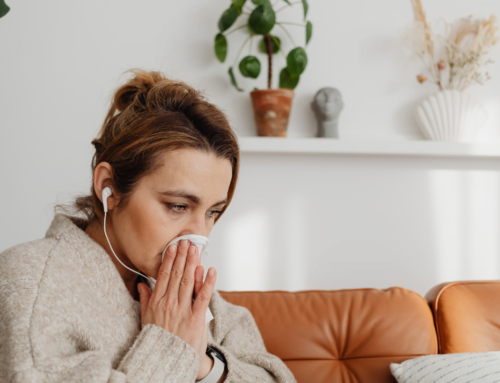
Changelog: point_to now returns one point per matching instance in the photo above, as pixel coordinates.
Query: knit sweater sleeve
(40, 342)
(147, 361)
(237, 337)
(157, 356)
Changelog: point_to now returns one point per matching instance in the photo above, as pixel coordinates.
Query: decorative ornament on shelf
(4, 8)
(271, 106)
(327, 105)
(455, 61)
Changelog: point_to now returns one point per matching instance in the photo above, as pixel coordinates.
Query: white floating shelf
(311, 145)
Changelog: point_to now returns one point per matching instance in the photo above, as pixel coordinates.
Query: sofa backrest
(467, 316)
(342, 336)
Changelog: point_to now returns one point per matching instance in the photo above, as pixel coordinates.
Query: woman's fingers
(177, 273)
(205, 294)
(198, 280)
(164, 273)
(188, 279)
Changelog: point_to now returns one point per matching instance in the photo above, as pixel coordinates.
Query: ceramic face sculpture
(327, 105)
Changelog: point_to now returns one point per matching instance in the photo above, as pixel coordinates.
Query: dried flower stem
(420, 17)
(466, 46)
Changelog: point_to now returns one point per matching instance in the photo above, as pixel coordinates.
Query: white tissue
(201, 243)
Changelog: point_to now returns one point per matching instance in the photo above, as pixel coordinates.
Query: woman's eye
(176, 208)
(214, 213)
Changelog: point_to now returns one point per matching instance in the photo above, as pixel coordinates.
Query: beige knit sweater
(66, 316)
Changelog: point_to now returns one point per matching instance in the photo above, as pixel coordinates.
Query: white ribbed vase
(451, 115)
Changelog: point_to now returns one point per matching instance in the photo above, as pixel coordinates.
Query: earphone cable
(109, 243)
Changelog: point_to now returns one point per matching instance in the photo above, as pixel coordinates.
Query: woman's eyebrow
(184, 194)
(224, 201)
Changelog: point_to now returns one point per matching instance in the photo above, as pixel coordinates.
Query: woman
(70, 308)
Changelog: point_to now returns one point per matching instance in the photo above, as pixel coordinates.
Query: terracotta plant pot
(271, 110)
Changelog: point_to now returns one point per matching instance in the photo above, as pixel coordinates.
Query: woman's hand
(171, 304)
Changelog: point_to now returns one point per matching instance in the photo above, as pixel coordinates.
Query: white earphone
(105, 194)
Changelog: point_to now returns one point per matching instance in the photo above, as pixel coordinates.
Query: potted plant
(454, 60)
(259, 20)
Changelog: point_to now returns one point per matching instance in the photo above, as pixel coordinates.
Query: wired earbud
(105, 194)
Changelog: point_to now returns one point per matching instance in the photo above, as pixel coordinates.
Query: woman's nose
(197, 225)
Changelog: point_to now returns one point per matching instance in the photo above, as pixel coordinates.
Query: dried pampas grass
(418, 10)
(465, 45)
(422, 32)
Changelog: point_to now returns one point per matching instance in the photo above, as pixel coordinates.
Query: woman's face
(183, 196)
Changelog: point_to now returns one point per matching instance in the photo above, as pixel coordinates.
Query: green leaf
(306, 8)
(261, 2)
(238, 5)
(276, 40)
(4, 8)
(220, 47)
(233, 79)
(275, 44)
(227, 19)
(296, 61)
(309, 31)
(250, 30)
(250, 67)
(287, 80)
(262, 19)
(288, 2)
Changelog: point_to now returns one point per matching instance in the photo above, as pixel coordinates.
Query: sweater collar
(93, 261)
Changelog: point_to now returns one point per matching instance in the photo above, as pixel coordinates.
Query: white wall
(297, 222)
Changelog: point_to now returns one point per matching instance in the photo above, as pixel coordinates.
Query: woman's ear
(103, 177)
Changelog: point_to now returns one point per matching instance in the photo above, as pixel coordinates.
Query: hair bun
(152, 90)
(145, 92)
(134, 91)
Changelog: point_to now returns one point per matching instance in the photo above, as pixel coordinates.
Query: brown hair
(149, 114)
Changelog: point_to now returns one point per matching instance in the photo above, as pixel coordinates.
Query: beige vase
(271, 110)
(451, 115)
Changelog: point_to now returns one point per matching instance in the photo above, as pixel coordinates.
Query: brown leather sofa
(351, 336)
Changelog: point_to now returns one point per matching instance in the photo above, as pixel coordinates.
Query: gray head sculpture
(327, 105)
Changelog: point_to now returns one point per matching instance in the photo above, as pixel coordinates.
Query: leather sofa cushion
(467, 316)
(342, 336)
